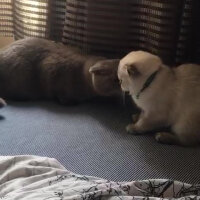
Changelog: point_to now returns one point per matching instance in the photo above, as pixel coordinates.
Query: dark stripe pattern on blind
(116, 27)
(31, 18)
(112, 28)
(6, 18)
(57, 18)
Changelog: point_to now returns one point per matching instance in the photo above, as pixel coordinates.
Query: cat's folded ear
(98, 69)
(132, 70)
(104, 67)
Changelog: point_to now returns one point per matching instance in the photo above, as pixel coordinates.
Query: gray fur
(32, 69)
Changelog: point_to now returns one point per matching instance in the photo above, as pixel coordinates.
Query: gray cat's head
(104, 77)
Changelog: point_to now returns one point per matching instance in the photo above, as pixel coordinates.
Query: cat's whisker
(124, 98)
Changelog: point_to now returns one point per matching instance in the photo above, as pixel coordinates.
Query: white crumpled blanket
(40, 178)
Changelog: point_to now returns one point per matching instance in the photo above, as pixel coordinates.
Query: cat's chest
(151, 104)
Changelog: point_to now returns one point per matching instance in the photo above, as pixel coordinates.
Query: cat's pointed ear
(132, 70)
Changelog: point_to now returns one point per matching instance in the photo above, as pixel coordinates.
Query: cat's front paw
(132, 129)
(166, 138)
(160, 137)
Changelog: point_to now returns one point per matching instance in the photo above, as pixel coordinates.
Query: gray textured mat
(91, 140)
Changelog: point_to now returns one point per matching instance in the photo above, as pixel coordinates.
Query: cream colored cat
(168, 97)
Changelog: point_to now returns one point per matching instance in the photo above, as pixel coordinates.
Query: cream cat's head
(135, 68)
(104, 77)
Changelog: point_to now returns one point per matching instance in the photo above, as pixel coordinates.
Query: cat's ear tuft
(132, 70)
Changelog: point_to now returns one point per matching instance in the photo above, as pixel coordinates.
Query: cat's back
(32, 51)
(25, 46)
(30, 42)
(188, 86)
(23, 53)
(188, 73)
(63, 72)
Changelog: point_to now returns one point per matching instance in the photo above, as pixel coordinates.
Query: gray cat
(32, 69)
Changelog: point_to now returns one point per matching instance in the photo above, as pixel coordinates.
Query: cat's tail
(2, 103)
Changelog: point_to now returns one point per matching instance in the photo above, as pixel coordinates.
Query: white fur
(172, 99)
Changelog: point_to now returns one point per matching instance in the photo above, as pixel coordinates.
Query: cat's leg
(130, 128)
(167, 138)
(176, 139)
(144, 124)
(187, 130)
